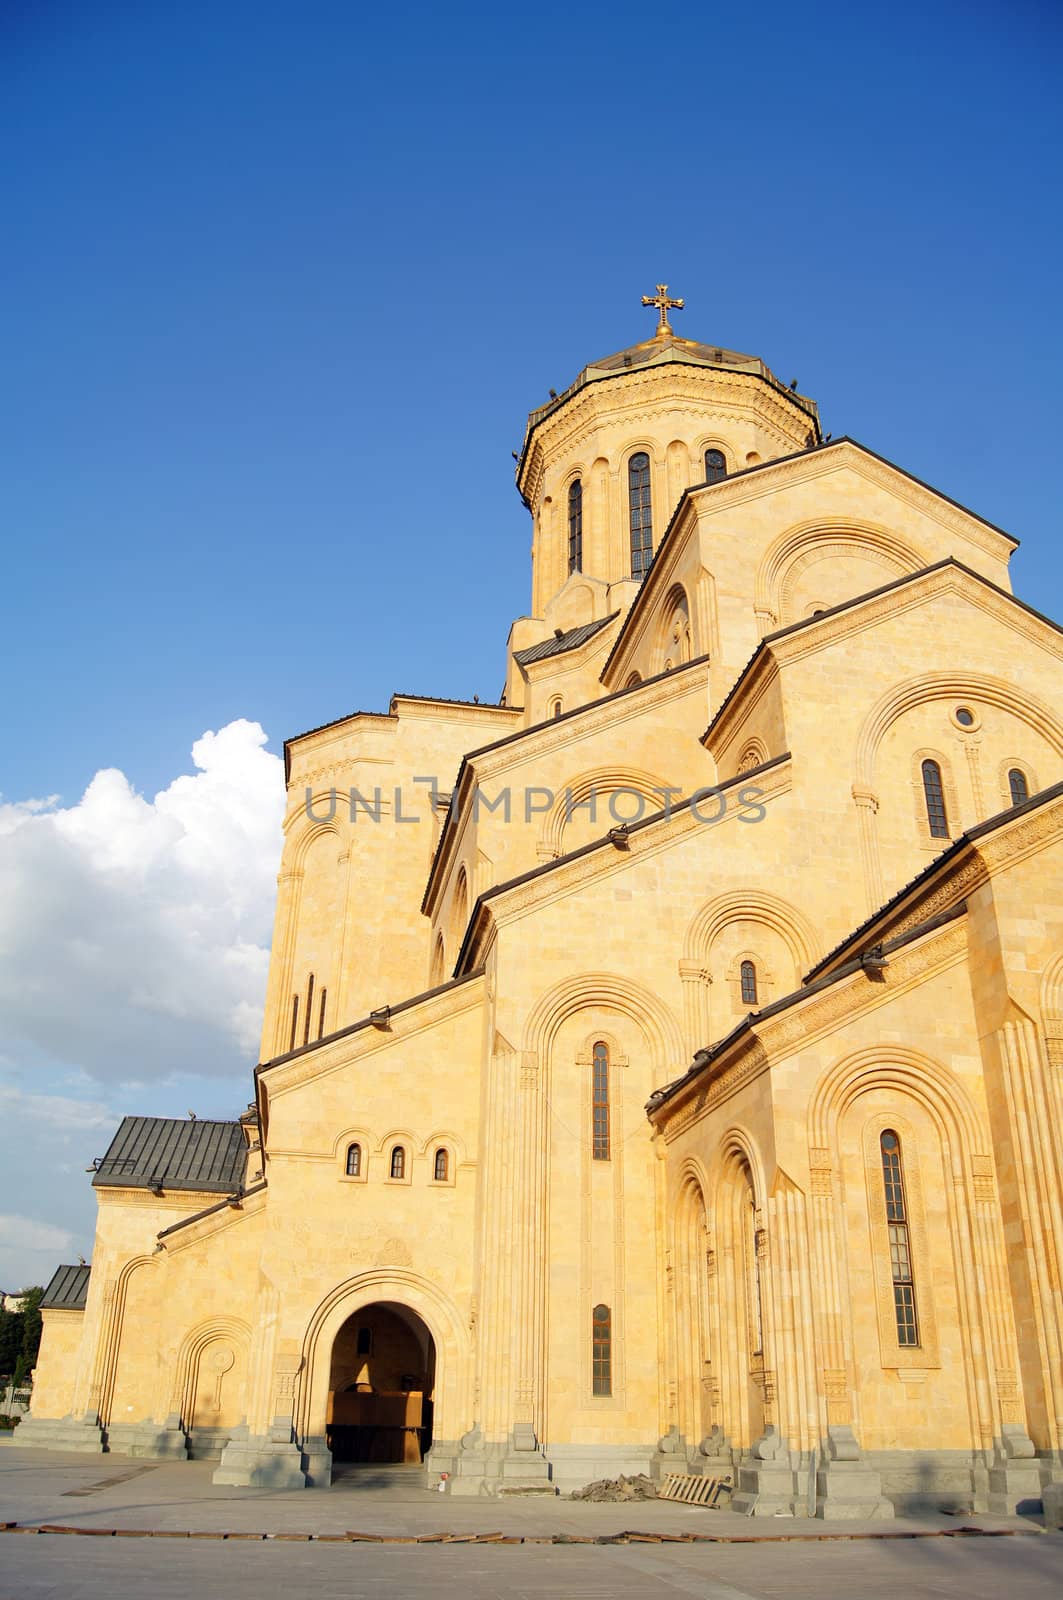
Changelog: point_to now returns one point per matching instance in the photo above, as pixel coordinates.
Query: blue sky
(281, 282)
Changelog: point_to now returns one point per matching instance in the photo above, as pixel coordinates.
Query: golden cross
(664, 305)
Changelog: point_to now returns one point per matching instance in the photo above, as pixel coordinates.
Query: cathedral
(661, 1067)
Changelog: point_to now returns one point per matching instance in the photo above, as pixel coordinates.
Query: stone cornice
(768, 1041)
(363, 1041)
(543, 739)
(645, 393)
(600, 859)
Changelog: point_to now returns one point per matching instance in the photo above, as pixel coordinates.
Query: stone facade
(572, 1060)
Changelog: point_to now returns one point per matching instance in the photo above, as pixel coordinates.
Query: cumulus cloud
(134, 932)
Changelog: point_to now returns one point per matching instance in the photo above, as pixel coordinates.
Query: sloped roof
(68, 1289)
(561, 642)
(175, 1154)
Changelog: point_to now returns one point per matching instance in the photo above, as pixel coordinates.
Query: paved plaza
(777, 1560)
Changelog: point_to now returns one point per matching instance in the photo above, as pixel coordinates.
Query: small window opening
(899, 1242)
(354, 1161)
(715, 466)
(1018, 785)
(398, 1162)
(601, 1351)
(365, 1342)
(748, 974)
(934, 793)
(442, 1166)
(600, 1103)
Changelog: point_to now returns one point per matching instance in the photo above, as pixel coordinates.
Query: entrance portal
(380, 1386)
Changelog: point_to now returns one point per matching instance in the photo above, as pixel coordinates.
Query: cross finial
(664, 305)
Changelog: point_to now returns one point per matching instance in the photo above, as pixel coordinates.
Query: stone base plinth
(148, 1439)
(60, 1433)
(258, 1461)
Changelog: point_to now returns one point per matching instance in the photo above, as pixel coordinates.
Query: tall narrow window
(309, 1008)
(398, 1162)
(442, 1166)
(638, 489)
(600, 1104)
(365, 1342)
(900, 1247)
(715, 466)
(321, 1015)
(575, 526)
(601, 1351)
(749, 983)
(295, 1021)
(934, 794)
(756, 1306)
(354, 1161)
(1020, 789)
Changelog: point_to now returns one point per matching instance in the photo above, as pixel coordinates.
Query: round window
(964, 717)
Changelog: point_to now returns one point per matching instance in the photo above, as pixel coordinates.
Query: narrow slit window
(575, 526)
(934, 794)
(309, 1008)
(354, 1161)
(749, 983)
(715, 466)
(295, 1021)
(899, 1241)
(365, 1342)
(442, 1165)
(600, 1103)
(321, 1015)
(398, 1162)
(601, 1351)
(641, 514)
(1020, 788)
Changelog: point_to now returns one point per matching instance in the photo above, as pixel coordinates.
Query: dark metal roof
(68, 1289)
(163, 1151)
(562, 641)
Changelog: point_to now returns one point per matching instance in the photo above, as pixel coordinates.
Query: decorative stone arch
(459, 908)
(751, 905)
(713, 441)
(403, 1136)
(453, 1141)
(754, 754)
(1005, 768)
(930, 841)
(796, 549)
(437, 970)
(605, 991)
(738, 1206)
(691, 1337)
(232, 1330)
(763, 977)
(602, 782)
(945, 686)
(674, 643)
(401, 1286)
(1052, 1009)
(961, 1134)
(114, 1335)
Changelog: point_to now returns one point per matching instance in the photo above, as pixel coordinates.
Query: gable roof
(562, 641)
(150, 1152)
(68, 1289)
(822, 617)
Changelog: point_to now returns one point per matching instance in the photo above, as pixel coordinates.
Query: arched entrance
(381, 1386)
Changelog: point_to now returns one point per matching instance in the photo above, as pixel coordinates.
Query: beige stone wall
(60, 1355)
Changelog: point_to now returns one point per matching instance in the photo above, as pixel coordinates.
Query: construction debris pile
(637, 1488)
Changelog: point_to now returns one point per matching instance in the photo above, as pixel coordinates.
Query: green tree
(31, 1333)
(10, 1343)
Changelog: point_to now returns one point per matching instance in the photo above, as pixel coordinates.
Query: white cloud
(134, 933)
(27, 1234)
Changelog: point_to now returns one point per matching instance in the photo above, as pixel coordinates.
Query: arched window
(442, 1168)
(398, 1162)
(557, 709)
(575, 526)
(354, 1161)
(601, 1351)
(748, 974)
(715, 466)
(897, 1234)
(438, 962)
(295, 1021)
(634, 679)
(600, 1103)
(1020, 789)
(934, 794)
(638, 490)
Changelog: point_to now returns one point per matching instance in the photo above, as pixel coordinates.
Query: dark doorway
(381, 1385)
